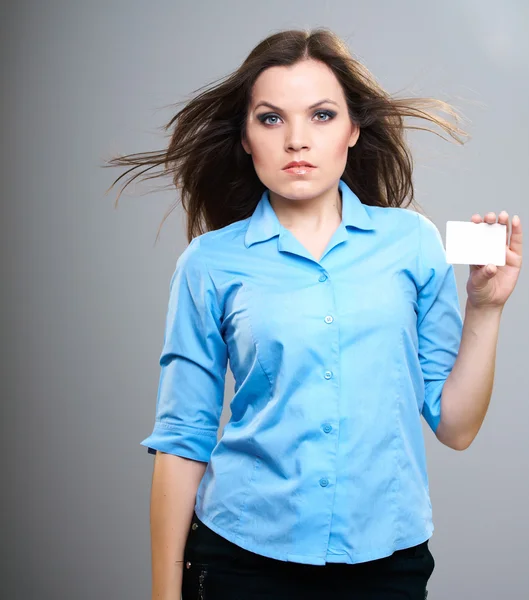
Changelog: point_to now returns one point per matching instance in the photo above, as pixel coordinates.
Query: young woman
(340, 318)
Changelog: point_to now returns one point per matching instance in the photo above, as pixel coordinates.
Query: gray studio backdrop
(86, 288)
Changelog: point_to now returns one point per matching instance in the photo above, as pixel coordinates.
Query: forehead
(300, 84)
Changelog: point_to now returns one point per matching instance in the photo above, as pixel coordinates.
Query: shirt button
(327, 427)
(324, 482)
(328, 374)
(322, 277)
(329, 319)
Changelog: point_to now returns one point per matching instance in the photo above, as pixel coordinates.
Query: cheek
(341, 146)
(263, 149)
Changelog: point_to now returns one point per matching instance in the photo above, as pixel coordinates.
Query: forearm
(468, 388)
(174, 485)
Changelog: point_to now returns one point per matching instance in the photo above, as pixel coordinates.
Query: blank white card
(469, 243)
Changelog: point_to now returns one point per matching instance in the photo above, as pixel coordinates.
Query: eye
(328, 113)
(264, 118)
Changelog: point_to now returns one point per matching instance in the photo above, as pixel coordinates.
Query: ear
(245, 144)
(355, 134)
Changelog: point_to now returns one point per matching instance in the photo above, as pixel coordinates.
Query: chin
(299, 190)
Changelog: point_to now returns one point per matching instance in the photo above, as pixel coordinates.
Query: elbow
(455, 444)
(452, 440)
(463, 444)
(460, 446)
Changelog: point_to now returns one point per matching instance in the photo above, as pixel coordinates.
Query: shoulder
(212, 251)
(207, 245)
(407, 219)
(398, 222)
(426, 226)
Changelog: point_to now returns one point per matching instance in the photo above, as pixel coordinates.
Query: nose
(296, 137)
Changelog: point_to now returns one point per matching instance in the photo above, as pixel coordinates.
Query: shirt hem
(312, 559)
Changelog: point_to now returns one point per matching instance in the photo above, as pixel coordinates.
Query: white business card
(469, 243)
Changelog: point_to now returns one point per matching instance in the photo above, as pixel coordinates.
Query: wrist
(488, 310)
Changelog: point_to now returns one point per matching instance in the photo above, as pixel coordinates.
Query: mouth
(299, 169)
(298, 163)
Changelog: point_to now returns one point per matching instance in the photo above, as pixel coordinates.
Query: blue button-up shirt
(334, 362)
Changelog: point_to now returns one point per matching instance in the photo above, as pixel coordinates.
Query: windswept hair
(216, 177)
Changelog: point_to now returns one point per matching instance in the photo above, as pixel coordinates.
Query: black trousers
(217, 569)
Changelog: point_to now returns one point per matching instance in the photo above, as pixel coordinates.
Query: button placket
(328, 374)
(328, 319)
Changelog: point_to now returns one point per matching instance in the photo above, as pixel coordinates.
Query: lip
(300, 163)
(299, 170)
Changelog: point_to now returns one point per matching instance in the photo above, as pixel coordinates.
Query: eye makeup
(330, 114)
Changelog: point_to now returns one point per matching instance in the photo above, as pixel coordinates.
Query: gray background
(86, 289)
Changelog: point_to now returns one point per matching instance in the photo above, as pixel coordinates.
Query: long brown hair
(216, 178)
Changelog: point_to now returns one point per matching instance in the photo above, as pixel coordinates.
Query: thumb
(482, 274)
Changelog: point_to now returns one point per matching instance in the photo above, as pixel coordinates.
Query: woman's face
(287, 122)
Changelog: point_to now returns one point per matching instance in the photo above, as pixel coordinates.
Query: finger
(489, 271)
(490, 217)
(516, 235)
(475, 267)
(484, 273)
(503, 218)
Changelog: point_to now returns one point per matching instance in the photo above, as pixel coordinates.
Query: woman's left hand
(489, 286)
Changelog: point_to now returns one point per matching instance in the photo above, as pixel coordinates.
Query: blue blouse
(334, 362)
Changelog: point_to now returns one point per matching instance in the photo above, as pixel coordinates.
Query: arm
(439, 323)
(174, 485)
(188, 410)
(468, 389)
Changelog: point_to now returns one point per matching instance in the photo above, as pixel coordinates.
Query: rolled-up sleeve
(193, 364)
(439, 321)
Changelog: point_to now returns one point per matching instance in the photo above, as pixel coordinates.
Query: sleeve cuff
(188, 442)
(431, 409)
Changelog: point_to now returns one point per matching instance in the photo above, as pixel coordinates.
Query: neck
(312, 214)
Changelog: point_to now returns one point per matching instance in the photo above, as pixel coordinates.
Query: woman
(340, 319)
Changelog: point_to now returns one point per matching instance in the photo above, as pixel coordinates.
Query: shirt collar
(264, 223)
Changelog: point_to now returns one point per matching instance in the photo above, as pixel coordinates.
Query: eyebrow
(263, 103)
